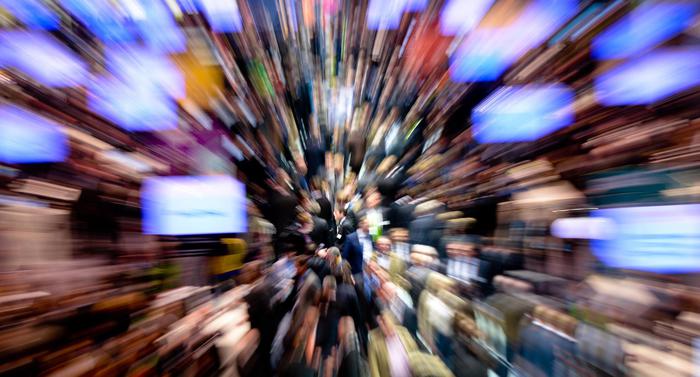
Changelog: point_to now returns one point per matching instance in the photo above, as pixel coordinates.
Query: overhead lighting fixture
(522, 113)
(138, 66)
(102, 18)
(385, 14)
(33, 13)
(138, 96)
(137, 107)
(26, 137)
(29, 53)
(223, 16)
(461, 16)
(644, 27)
(488, 52)
(649, 78)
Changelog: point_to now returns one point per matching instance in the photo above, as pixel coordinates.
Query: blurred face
(363, 225)
(384, 245)
(388, 291)
(373, 200)
(455, 250)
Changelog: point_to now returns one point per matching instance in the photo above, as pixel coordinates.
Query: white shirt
(398, 360)
(366, 242)
(463, 268)
(375, 219)
(403, 250)
(383, 261)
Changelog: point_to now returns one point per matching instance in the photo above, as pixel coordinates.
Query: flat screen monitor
(27, 138)
(649, 78)
(522, 113)
(661, 239)
(191, 205)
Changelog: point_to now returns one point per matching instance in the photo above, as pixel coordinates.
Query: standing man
(358, 249)
(374, 213)
(343, 226)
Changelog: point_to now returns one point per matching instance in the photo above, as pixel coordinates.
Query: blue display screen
(26, 137)
(32, 13)
(663, 239)
(488, 51)
(522, 113)
(29, 53)
(645, 27)
(649, 78)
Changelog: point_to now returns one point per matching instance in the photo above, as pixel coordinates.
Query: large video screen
(663, 239)
(189, 205)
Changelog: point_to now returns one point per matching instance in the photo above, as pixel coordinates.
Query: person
(329, 315)
(350, 360)
(294, 331)
(383, 252)
(319, 264)
(374, 213)
(426, 228)
(423, 259)
(306, 227)
(358, 248)
(463, 263)
(283, 214)
(326, 210)
(348, 301)
(389, 347)
(320, 230)
(290, 241)
(344, 225)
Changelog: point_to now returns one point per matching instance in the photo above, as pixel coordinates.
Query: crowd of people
(356, 268)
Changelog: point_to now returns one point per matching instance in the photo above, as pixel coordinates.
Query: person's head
(343, 273)
(301, 263)
(388, 290)
(383, 245)
(373, 199)
(461, 249)
(310, 291)
(304, 219)
(314, 208)
(423, 255)
(363, 224)
(398, 235)
(339, 213)
(385, 323)
(329, 288)
(333, 254)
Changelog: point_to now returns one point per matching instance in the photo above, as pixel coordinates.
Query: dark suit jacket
(343, 229)
(349, 304)
(400, 216)
(352, 252)
(320, 233)
(426, 230)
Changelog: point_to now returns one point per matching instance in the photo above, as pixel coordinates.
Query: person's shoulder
(375, 334)
(402, 332)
